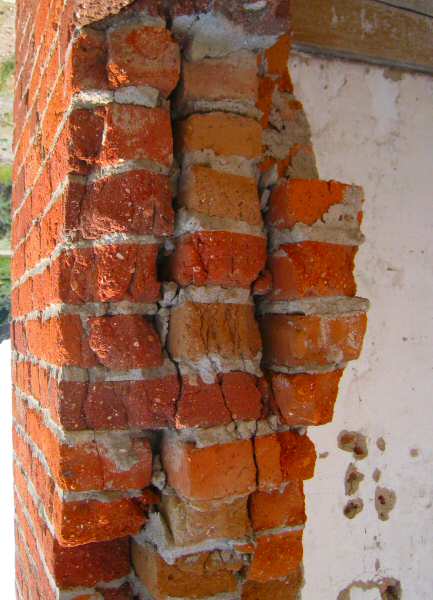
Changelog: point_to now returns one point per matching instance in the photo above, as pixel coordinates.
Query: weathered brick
(85, 565)
(194, 576)
(108, 274)
(137, 133)
(270, 510)
(218, 258)
(232, 78)
(224, 134)
(135, 202)
(211, 473)
(201, 405)
(98, 464)
(312, 269)
(286, 589)
(60, 341)
(283, 457)
(276, 556)
(193, 523)
(305, 399)
(219, 194)
(81, 521)
(227, 330)
(314, 340)
(303, 201)
(140, 55)
(125, 342)
(88, 61)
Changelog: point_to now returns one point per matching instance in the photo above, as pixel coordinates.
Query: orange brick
(210, 473)
(267, 451)
(283, 457)
(276, 556)
(311, 341)
(270, 510)
(140, 55)
(218, 258)
(224, 134)
(227, 330)
(305, 399)
(298, 456)
(312, 269)
(303, 201)
(231, 78)
(220, 194)
(287, 589)
(194, 576)
(193, 523)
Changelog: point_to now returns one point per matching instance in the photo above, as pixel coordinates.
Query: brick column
(183, 301)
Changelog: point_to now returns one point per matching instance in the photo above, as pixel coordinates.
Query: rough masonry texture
(184, 301)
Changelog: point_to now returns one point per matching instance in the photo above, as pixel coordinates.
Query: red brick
(311, 341)
(224, 134)
(270, 510)
(107, 274)
(312, 269)
(88, 61)
(136, 202)
(137, 133)
(242, 395)
(88, 521)
(276, 556)
(201, 405)
(219, 194)
(142, 55)
(303, 201)
(82, 521)
(60, 341)
(218, 258)
(85, 565)
(305, 399)
(88, 465)
(125, 342)
(210, 473)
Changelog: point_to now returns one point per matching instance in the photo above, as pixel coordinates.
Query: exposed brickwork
(183, 301)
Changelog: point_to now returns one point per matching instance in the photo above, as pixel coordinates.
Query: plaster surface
(374, 127)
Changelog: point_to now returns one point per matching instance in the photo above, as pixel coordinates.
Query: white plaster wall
(375, 129)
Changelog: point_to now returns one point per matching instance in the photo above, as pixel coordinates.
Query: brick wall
(183, 301)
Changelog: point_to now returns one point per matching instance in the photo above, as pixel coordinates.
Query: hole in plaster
(353, 508)
(355, 442)
(389, 589)
(377, 474)
(381, 444)
(384, 501)
(414, 452)
(352, 480)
